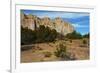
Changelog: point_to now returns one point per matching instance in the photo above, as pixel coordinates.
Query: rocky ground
(39, 52)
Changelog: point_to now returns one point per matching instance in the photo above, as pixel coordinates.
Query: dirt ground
(36, 52)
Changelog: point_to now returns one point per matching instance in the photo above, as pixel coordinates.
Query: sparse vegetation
(86, 35)
(62, 52)
(74, 35)
(40, 35)
(70, 41)
(84, 41)
(46, 41)
(27, 36)
(46, 36)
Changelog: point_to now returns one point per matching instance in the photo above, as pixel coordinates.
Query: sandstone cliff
(32, 22)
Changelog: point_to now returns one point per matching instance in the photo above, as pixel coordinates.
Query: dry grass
(38, 52)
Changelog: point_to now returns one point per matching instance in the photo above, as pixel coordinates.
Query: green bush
(84, 41)
(86, 35)
(27, 36)
(39, 35)
(62, 52)
(74, 35)
(45, 34)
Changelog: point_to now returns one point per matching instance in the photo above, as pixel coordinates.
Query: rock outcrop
(32, 22)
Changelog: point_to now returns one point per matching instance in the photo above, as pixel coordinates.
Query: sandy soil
(36, 52)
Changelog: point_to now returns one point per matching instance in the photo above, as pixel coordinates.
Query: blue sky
(78, 19)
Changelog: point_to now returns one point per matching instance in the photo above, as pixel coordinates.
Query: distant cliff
(32, 22)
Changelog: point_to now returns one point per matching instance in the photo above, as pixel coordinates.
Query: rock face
(32, 22)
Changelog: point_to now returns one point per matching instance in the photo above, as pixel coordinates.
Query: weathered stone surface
(32, 22)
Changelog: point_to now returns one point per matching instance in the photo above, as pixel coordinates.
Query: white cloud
(60, 14)
(79, 26)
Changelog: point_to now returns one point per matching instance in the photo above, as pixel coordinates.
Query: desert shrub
(86, 35)
(39, 35)
(70, 41)
(84, 41)
(45, 34)
(47, 54)
(27, 36)
(62, 52)
(74, 35)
